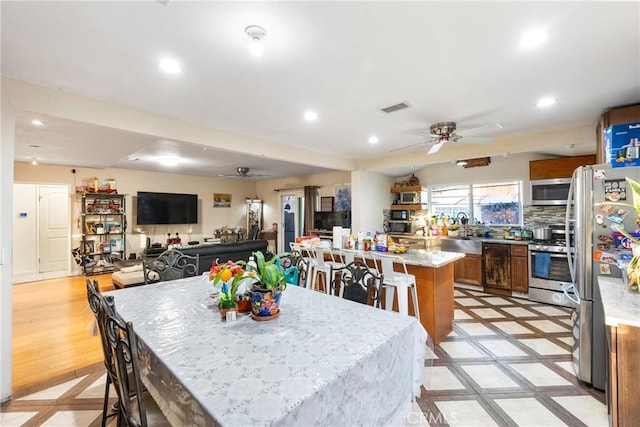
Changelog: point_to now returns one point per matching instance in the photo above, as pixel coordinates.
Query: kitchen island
(434, 281)
(622, 323)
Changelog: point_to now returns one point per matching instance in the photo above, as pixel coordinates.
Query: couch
(132, 275)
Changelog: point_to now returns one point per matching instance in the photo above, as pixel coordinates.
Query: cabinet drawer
(519, 250)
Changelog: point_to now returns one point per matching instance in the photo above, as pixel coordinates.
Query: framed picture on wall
(221, 200)
(326, 204)
(343, 197)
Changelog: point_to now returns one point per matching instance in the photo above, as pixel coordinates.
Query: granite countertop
(421, 257)
(425, 258)
(621, 306)
(492, 240)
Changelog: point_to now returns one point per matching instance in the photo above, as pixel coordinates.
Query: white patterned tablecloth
(323, 361)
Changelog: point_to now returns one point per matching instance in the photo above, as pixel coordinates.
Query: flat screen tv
(167, 208)
(326, 220)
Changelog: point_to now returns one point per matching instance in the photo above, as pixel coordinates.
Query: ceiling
(449, 61)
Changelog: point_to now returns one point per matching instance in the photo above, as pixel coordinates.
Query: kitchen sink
(465, 245)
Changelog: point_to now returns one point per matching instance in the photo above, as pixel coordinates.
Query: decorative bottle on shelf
(178, 240)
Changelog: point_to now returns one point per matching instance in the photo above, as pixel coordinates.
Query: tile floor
(507, 363)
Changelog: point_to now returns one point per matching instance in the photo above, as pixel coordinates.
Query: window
(495, 203)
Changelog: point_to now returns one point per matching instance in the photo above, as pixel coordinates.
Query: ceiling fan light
(168, 161)
(255, 33)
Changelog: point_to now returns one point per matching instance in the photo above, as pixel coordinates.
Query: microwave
(400, 215)
(409, 198)
(399, 227)
(550, 191)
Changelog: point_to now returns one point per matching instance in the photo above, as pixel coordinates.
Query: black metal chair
(136, 407)
(97, 305)
(170, 265)
(296, 267)
(357, 282)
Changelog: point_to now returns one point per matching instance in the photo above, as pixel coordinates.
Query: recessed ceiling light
(310, 116)
(170, 66)
(461, 163)
(37, 122)
(168, 161)
(533, 38)
(546, 102)
(373, 140)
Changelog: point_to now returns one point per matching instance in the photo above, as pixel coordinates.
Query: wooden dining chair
(136, 407)
(97, 305)
(357, 282)
(170, 265)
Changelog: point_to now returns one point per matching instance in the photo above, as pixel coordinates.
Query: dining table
(324, 360)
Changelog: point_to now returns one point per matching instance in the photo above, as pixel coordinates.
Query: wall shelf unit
(103, 232)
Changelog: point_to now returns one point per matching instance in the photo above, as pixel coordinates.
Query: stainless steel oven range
(549, 272)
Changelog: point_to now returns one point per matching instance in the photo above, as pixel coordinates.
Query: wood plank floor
(51, 329)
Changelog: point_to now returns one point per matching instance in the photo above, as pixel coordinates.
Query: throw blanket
(542, 265)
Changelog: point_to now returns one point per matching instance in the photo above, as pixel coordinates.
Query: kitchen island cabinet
(622, 323)
(468, 270)
(434, 281)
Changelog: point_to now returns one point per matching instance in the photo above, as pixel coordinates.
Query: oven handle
(551, 255)
(567, 219)
(573, 297)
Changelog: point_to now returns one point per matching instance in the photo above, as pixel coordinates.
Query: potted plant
(231, 274)
(266, 291)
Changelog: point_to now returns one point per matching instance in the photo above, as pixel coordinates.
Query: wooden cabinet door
(497, 265)
(469, 270)
(519, 274)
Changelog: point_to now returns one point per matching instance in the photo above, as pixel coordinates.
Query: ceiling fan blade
(406, 146)
(479, 130)
(477, 140)
(436, 147)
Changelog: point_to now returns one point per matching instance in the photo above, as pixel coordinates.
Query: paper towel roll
(337, 237)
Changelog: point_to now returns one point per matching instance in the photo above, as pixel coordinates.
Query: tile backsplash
(543, 215)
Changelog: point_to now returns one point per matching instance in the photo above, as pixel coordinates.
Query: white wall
(266, 190)
(512, 167)
(129, 182)
(25, 236)
(370, 196)
(6, 233)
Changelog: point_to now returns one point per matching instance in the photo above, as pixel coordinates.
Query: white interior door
(53, 228)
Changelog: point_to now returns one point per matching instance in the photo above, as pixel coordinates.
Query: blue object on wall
(23, 214)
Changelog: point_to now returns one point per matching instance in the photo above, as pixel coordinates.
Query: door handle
(573, 297)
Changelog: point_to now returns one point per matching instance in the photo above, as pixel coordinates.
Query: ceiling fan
(443, 132)
(242, 172)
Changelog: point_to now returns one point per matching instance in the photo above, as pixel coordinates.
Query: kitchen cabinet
(614, 116)
(561, 167)
(103, 232)
(497, 265)
(520, 268)
(623, 343)
(469, 270)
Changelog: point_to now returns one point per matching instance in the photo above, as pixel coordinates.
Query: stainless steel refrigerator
(594, 212)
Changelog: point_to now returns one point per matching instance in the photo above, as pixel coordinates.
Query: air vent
(396, 107)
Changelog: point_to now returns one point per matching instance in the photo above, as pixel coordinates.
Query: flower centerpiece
(231, 275)
(266, 291)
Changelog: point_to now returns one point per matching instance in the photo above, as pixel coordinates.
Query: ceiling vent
(396, 107)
